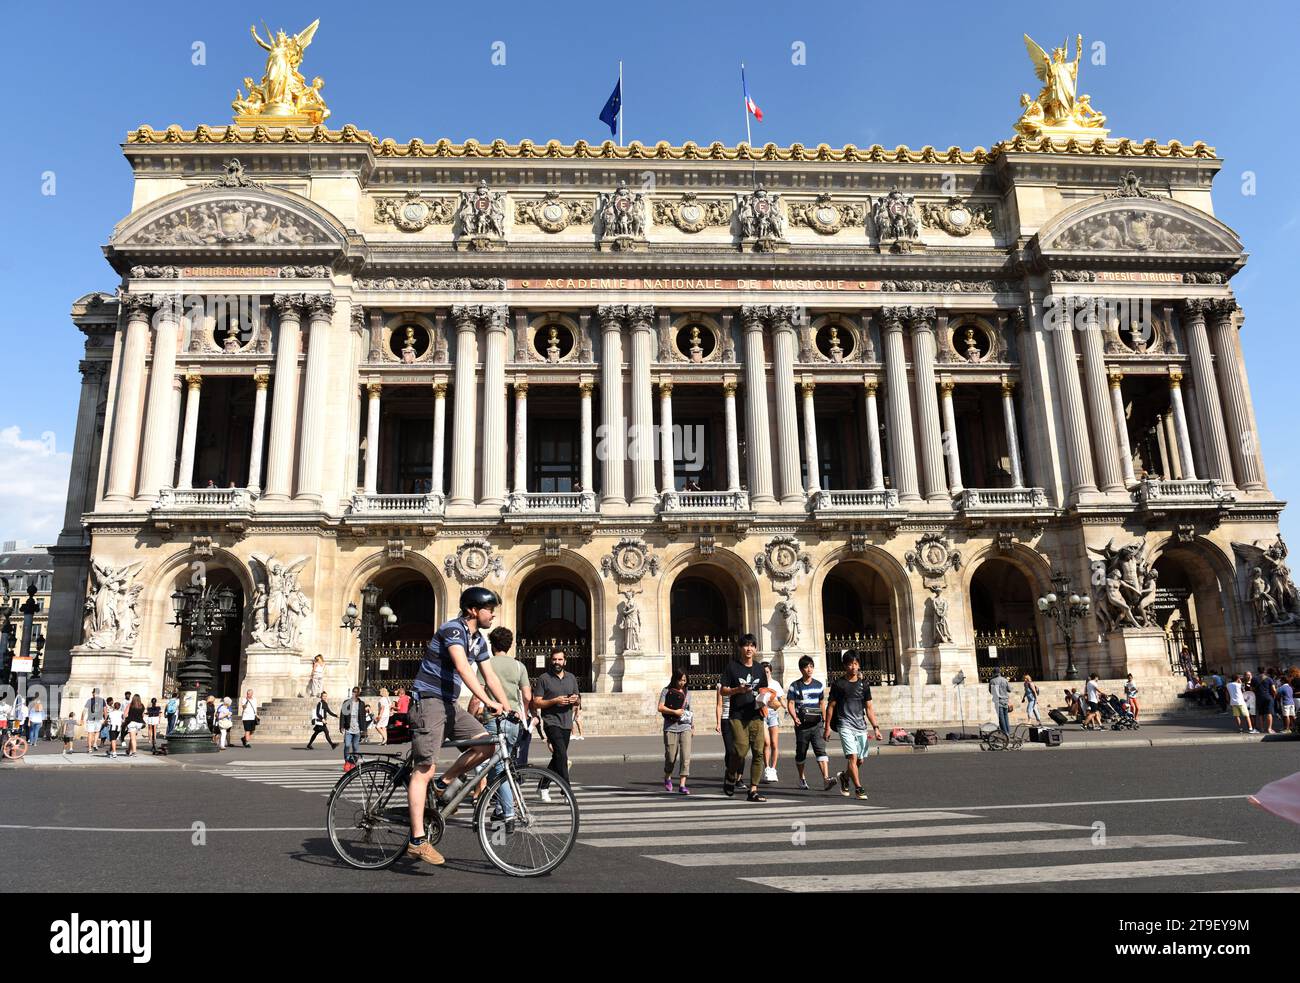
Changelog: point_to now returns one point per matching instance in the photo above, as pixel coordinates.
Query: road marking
(166, 829)
(885, 833)
(1097, 802)
(670, 812)
(935, 851)
(1128, 870)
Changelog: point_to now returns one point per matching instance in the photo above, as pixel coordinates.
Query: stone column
(611, 404)
(311, 432)
(1099, 406)
(126, 420)
(733, 435)
(262, 382)
(158, 458)
(585, 465)
(1082, 480)
(465, 424)
(873, 437)
(758, 446)
(1162, 440)
(1198, 348)
(1172, 448)
(1115, 378)
(1013, 436)
(814, 481)
(950, 437)
(284, 405)
(494, 407)
(373, 390)
(1180, 425)
(642, 434)
(194, 385)
(902, 447)
(521, 437)
(80, 497)
(667, 460)
(439, 436)
(784, 346)
(921, 322)
(1242, 440)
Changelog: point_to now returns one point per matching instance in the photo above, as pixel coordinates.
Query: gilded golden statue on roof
(1059, 111)
(283, 97)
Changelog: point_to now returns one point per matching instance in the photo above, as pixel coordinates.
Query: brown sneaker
(427, 853)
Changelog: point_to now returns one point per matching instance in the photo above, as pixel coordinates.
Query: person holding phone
(741, 680)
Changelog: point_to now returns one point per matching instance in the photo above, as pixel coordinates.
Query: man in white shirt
(1092, 696)
(92, 713)
(248, 715)
(1237, 703)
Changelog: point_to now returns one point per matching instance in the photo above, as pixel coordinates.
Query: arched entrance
(1002, 608)
(227, 653)
(1191, 608)
(705, 618)
(555, 612)
(410, 595)
(857, 615)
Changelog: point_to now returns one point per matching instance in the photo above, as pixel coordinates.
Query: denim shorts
(853, 742)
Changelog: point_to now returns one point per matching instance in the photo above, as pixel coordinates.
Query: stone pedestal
(110, 670)
(273, 673)
(1141, 651)
(1278, 645)
(948, 659)
(631, 671)
(785, 665)
(915, 673)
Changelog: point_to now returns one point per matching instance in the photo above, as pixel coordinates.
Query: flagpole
(749, 140)
(620, 102)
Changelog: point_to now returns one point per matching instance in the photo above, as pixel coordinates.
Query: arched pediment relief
(1125, 226)
(231, 218)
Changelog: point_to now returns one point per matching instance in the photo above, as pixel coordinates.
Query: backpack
(926, 738)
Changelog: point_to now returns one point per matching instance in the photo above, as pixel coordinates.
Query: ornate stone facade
(589, 398)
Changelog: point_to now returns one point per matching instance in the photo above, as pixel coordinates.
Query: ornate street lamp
(370, 623)
(204, 611)
(1065, 608)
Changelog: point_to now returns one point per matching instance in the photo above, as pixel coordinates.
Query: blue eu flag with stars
(609, 114)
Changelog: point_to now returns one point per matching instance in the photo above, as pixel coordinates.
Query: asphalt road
(1172, 820)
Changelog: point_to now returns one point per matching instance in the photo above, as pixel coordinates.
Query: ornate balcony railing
(206, 499)
(1194, 491)
(859, 500)
(362, 504)
(704, 501)
(551, 503)
(1001, 498)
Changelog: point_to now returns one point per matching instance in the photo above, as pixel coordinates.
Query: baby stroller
(1117, 714)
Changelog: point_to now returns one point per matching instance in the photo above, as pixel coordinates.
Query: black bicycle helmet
(478, 597)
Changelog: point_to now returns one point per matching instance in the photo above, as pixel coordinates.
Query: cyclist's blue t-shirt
(437, 676)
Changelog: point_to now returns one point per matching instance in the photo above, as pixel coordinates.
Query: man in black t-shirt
(741, 680)
(850, 713)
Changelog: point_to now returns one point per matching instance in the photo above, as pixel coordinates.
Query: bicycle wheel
(369, 824)
(15, 748)
(541, 833)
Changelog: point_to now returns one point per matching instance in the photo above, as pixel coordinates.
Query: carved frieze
(827, 216)
(1134, 230)
(957, 216)
(233, 222)
(933, 556)
(474, 562)
(552, 213)
(629, 561)
(691, 213)
(413, 211)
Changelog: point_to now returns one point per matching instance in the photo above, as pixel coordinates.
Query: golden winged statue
(283, 94)
(1059, 110)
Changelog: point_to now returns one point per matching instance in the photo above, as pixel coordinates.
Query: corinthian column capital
(611, 316)
(920, 318)
(891, 318)
(319, 306)
(1194, 309)
(135, 305)
(1223, 308)
(288, 305)
(495, 317)
(641, 316)
(358, 318)
(752, 316)
(465, 316)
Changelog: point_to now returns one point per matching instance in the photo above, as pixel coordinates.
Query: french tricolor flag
(750, 105)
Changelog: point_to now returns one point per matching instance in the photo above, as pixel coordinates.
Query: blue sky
(939, 73)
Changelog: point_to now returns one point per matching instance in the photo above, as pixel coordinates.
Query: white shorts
(1288, 710)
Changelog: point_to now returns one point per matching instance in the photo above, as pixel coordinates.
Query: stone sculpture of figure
(111, 614)
(939, 606)
(1260, 600)
(622, 214)
(279, 605)
(483, 212)
(972, 347)
(553, 345)
(760, 216)
(789, 614)
(629, 621)
(1146, 606)
(895, 217)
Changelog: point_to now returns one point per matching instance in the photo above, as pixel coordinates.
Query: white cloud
(33, 485)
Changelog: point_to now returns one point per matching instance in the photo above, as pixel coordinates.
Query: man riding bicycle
(435, 714)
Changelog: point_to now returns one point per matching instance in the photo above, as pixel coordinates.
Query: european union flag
(609, 114)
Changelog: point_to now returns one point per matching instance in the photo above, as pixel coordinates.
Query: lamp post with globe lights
(1065, 608)
(204, 611)
(371, 622)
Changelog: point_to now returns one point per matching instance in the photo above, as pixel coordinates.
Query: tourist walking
(679, 726)
(114, 720)
(1030, 700)
(805, 701)
(152, 716)
(1265, 693)
(173, 707)
(316, 681)
(850, 713)
(350, 723)
(722, 724)
(385, 711)
(741, 681)
(519, 693)
(555, 696)
(320, 723)
(1237, 703)
(68, 732)
(224, 717)
(1000, 690)
(35, 720)
(134, 724)
(1092, 697)
(1131, 694)
(1286, 703)
(248, 717)
(771, 705)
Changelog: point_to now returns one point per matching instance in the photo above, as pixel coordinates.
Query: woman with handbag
(679, 725)
(385, 712)
(316, 682)
(223, 722)
(320, 723)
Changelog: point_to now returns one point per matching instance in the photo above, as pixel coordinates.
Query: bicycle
(369, 819)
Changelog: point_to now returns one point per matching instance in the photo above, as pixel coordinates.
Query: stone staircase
(634, 714)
